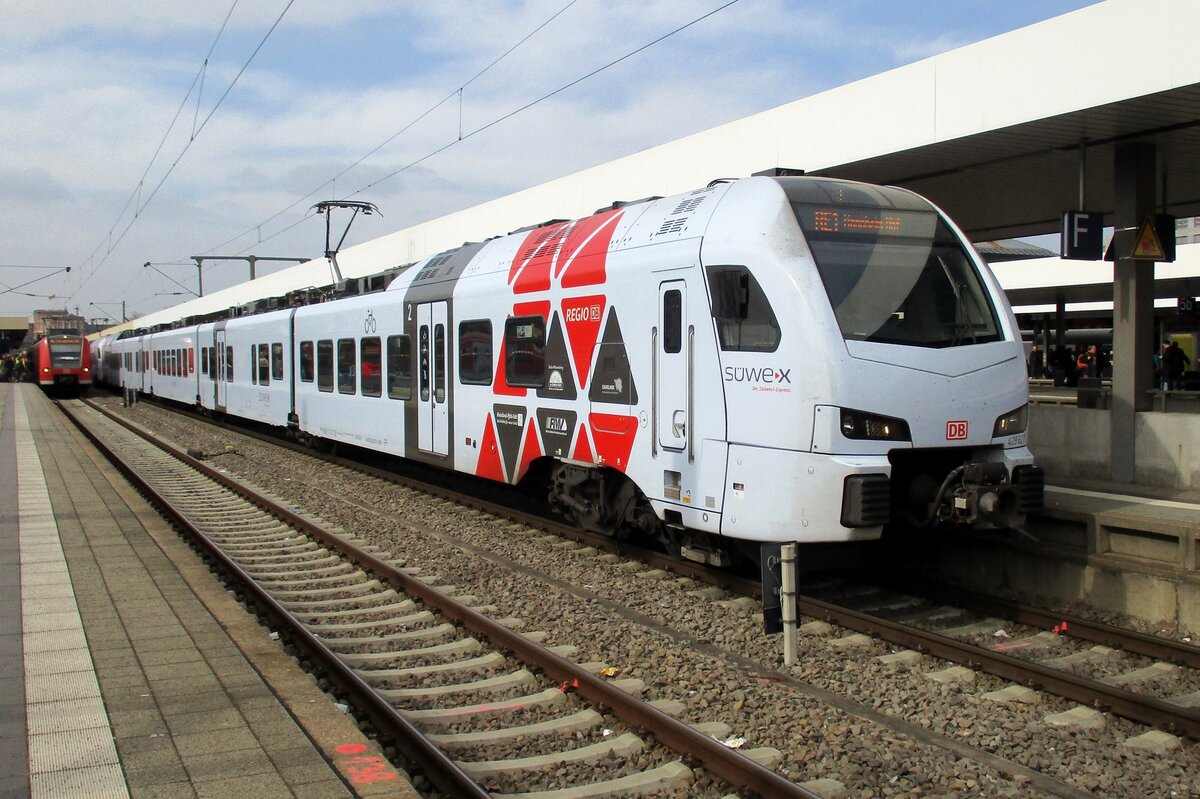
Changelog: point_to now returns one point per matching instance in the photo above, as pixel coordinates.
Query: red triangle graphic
(582, 318)
(532, 449)
(614, 436)
(583, 448)
(500, 382)
(489, 464)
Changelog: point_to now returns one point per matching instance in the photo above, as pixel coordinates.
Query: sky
(142, 131)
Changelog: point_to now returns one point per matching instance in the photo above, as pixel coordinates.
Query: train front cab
(895, 392)
(63, 362)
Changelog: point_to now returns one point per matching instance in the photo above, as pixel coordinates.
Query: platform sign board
(1186, 305)
(1082, 236)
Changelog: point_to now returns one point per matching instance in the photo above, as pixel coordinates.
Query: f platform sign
(1082, 236)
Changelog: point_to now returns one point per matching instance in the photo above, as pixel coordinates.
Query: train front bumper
(775, 495)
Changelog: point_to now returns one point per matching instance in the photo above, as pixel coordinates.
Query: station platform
(1126, 548)
(126, 668)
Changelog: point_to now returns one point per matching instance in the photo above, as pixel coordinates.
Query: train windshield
(894, 271)
(65, 354)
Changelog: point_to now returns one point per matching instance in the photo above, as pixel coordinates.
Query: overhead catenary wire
(464, 136)
(135, 194)
(543, 98)
(404, 129)
(191, 140)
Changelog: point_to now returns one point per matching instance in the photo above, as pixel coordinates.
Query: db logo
(956, 431)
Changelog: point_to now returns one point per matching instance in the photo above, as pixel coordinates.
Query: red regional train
(61, 363)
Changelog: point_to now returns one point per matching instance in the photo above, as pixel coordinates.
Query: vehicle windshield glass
(896, 275)
(67, 354)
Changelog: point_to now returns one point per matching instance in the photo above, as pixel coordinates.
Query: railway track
(479, 708)
(761, 668)
(1152, 680)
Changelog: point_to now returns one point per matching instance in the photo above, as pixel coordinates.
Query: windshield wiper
(962, 308)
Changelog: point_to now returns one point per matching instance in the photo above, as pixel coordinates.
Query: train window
(306, 361)
(370, 355)
(475, 352)
(524, 351)
(744, 319)
(673, 321)
(264, 364)
(439, 363)
(204, 360)
(191, 360)
(325, 364)
(253, 364)
(277, 361)
(346, 367)
(228, 363)
(898, 276)
(399, 367)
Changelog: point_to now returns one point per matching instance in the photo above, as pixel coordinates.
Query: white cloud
(90, 87)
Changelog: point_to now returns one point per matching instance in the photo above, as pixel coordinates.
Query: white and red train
(762, 360)
(62, 363)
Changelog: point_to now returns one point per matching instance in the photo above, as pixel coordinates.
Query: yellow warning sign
(1148, 246)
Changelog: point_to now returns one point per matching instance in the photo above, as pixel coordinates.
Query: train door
(672, 379)
(221, 371)
(433, 417)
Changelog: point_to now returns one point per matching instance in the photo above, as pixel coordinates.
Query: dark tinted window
(672, 321)
(264, 364)
(347, 371)
(525, 351)
(475, 352)
(325, 364)
(744, 319)
(439, 363)
(371, 366)
(306, 361)
(399, 367)
(277, 361)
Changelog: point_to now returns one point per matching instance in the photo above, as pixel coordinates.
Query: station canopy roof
(994, 132)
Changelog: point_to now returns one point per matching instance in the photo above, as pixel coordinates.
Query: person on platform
(1036, 366)
(1175, 363)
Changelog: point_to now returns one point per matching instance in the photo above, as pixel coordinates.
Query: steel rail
(441, 770)
(726, 763)
(1138, 643)
(1146, 710)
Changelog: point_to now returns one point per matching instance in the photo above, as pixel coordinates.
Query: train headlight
(1011, 423)
(860, 425)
